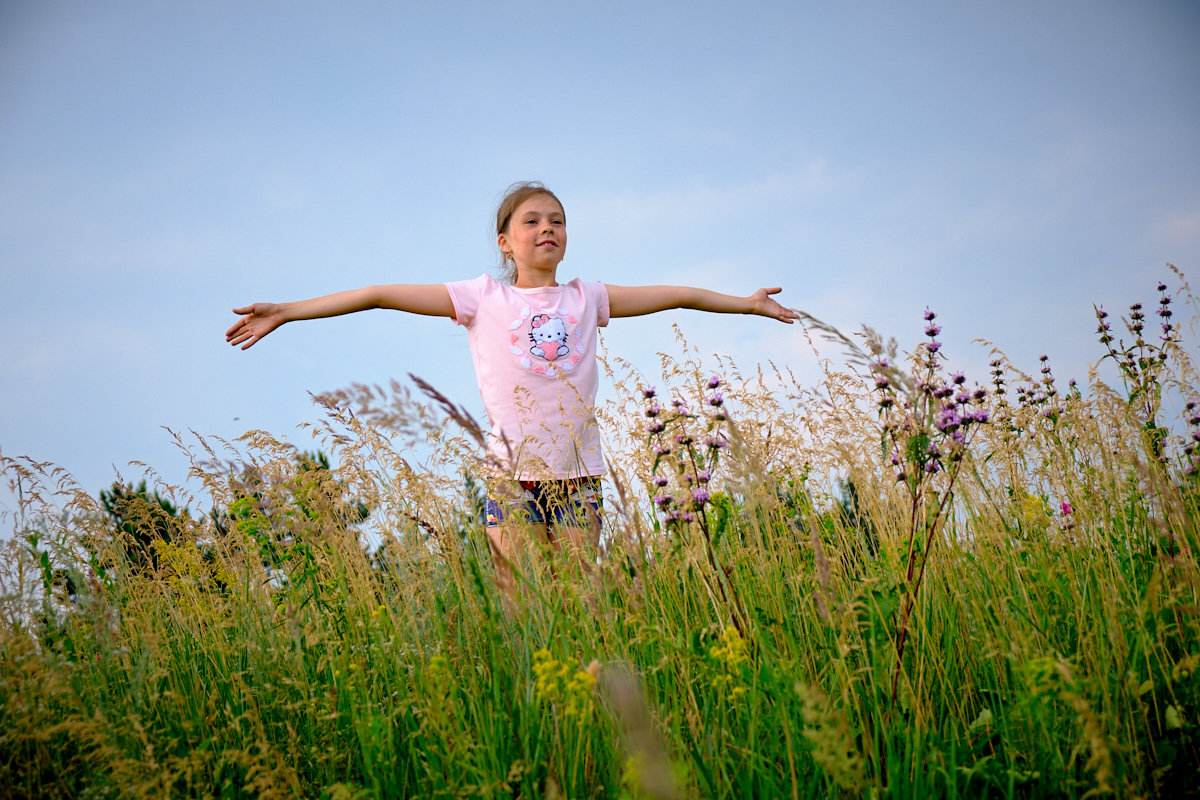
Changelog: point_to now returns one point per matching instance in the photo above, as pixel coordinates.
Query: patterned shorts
(574, 501)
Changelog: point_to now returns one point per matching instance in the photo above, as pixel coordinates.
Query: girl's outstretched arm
(632, 301)
(261, 318)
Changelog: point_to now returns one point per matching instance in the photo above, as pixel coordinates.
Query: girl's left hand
(766, 306)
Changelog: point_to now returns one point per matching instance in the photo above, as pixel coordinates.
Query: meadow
(902, 582)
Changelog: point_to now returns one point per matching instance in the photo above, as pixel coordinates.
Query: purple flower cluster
(1141, 362)
(941, 412)
(1191, 450)
(688, 447)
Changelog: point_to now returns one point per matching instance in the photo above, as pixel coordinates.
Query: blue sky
(1006, 164)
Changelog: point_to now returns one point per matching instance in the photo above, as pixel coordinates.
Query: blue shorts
(573, 502)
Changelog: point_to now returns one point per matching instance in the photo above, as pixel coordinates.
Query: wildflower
(1162, 287)
(683, 439)
(700, 497)
(662, 449)
(653, 410)
(929, 315)
(881, 382)
(660, 480)
(714, 382)
(716, 400)
(1066, 508)
(934, 346)
(656, 426)
(958, 379)
(980, 393)
(704, 476)
(715, 443)
(663, 500)
(932, 330)
(648, 393)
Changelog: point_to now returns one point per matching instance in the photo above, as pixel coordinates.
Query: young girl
(533, 343)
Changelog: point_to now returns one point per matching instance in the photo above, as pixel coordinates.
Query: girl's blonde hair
(515, 195)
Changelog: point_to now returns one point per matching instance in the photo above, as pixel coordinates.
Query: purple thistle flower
(929, 315)
(700, 497)
(715, 443)
(679, 404)
(979, 393)
(881, 382)
(932, 466)
(714, 382)
(683, 439)
(705, 476)
(648, 392)
(934, 346)
(663, 500)
(932, 330)
(656, 426)
(1066, 508)
(1162, 287)
(654, 410)
(716, 400)
(660, 480)
(981, 415)
(662, 449)
(899, 475)
(958, 379)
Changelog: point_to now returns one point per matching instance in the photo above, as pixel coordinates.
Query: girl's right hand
(258, 320)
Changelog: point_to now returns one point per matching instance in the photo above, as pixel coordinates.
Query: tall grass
(840, 611)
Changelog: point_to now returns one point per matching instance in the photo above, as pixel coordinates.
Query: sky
(1007, 165)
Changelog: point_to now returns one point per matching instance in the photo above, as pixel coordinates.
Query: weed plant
(899, 583)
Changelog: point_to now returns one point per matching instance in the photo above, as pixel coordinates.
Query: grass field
(900, 583)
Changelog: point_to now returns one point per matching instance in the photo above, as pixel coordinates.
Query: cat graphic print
(551, 335)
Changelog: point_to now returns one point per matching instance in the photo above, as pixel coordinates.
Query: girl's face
(537, 234)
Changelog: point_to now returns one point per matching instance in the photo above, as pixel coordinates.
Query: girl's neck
(535, 278)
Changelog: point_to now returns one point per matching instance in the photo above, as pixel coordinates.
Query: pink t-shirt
(535, 360)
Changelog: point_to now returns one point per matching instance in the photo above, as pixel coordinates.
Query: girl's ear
(502, 243)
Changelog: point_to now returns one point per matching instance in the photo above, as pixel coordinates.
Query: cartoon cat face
(548, 329)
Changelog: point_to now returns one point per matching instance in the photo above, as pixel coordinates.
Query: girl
(533, 344)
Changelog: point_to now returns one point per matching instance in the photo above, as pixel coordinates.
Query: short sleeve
(464, 296)
(597, 295)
